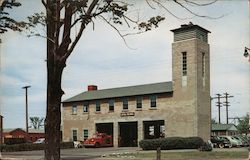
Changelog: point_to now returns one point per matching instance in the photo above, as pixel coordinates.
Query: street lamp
(246, 54)
(26, 106)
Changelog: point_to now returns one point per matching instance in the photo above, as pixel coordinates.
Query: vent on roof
(92, 87)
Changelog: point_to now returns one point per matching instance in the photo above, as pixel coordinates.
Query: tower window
(203, 64)
(184, 63)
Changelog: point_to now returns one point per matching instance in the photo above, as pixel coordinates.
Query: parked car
(220, 142)
(39, 141)
(234, 142)
(242, 139)
(99, 140)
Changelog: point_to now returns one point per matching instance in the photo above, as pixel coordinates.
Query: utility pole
(218, 104)
(226, 103)
(26, 106)
(1, 133)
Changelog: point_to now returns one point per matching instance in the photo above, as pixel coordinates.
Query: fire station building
(177, 108)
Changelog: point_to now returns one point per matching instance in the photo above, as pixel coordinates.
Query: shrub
(172, 143)
(206, 147)
(30, 147)
(10, 141)
(65, 145)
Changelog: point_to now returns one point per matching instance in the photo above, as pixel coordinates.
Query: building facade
(177, 108)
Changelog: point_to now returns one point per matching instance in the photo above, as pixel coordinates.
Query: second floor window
(74, 109)
(85, 108)
(138, 102)
(111, 105)
(98, 106)
(153, 101)
(125, 104)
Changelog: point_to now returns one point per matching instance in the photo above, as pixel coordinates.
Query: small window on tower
(203, 68)
(184, 63)
(203, 64)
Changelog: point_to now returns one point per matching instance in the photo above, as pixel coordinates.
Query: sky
(101, 58)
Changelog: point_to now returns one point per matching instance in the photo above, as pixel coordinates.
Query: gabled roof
(31, 130)
(223, 127)
(163, 87)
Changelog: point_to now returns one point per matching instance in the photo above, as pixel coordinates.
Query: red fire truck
(99, 140)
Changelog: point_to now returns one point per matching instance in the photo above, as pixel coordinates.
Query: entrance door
(128, 134)
(154, 129)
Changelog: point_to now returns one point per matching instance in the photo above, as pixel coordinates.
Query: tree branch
(165, 8)
(86, 20)
(199, 4)
(57, 24)
(44, 3)
(186, 8)
(122, 36)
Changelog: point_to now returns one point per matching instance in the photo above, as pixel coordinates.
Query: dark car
(220, 142)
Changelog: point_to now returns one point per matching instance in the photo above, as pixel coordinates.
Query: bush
(65, 145)
(206, 147)
(171, 143)
(30, 147)
(10, 141)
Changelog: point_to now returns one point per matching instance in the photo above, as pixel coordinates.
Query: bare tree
(63, 15)
(36, 122)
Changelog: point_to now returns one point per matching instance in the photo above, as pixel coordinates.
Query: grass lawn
(189, 155)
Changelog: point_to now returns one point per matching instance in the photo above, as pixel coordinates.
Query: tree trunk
(54, 92)
(53, 117)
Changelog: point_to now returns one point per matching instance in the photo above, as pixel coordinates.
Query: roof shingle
(163, 87)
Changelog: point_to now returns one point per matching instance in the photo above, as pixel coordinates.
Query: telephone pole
(226, 103)
(218, 96)
(26, 106)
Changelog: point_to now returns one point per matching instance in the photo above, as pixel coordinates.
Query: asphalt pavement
(90, 153)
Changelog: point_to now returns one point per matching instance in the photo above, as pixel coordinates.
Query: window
(153, 101)
(125, 104)
(184, 63)
(74, 109)
(85, 134)
(74, 135)
(98, 106)
(138, 102)
(85, 108)
(203, 64)
(111, 105)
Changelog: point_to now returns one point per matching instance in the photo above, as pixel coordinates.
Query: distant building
(177, 108)
(33, 135)
(224, 130)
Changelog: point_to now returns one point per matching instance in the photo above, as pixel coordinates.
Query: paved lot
(91, 153)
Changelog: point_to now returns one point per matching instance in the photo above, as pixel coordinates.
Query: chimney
(92, 87)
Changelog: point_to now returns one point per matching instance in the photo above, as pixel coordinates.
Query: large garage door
(105, 128)
(154, 129)
(128, 134)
